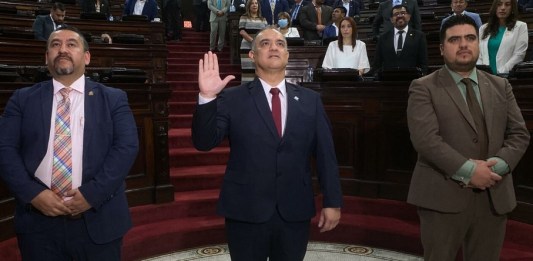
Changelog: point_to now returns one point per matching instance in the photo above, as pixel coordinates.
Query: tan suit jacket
(444, 135)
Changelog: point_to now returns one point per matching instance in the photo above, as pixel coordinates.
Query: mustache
(64, 56)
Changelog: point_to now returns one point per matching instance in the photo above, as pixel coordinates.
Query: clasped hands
(483, 176)
(51, 204)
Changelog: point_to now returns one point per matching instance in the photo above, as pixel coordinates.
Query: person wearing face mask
(503, 40)
(284, 26)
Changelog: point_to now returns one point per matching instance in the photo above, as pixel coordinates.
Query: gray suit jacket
(212, 5)
(443, 133)
(384, 14)
(308, 20)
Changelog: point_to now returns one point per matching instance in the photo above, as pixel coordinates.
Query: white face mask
(283, 23)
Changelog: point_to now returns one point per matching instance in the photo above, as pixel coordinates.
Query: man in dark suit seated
(141, 7)
(44, 25)
(332, 30)
(275, 128)
(402, 46)
(383, 15)
(66, 147)
(353, 7)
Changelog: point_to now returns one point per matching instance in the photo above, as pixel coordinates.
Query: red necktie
(276, 109)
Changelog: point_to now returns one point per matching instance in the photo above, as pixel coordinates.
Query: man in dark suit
(141, 7)
(295, 12)
(411, 52)
(44, 25)
(271, 8)
(66, 146)
(469, 134)
(383, 15)
(331, 31)
(274, 128)
(353, 7)
(311, 26)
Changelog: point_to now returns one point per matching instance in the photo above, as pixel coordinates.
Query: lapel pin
(91, 93)
(296, 98)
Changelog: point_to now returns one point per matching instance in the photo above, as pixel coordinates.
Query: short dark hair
(73, 29)
(58, 6)
(399, 7)
(343, 9)
(456, 20)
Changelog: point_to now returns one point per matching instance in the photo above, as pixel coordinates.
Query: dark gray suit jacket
(442, 131)
(308, 20)
(43, 26)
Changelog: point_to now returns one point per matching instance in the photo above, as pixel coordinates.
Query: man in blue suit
(458, 8)
(44, 25)
(89, 217)
(274, 129)
(141, 7)
(271, 8)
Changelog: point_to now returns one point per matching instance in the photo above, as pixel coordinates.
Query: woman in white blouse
(347, 52)
(503, 40)
(284, 25)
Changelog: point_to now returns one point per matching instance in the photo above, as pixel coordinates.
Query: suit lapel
(293, 106)
(91, 105)
(446, 80)
(46, 102)
(261, 103)
(486, 100)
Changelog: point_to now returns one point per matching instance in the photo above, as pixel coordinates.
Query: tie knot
(401, 32)
(274, 91)
(65, 92)
(467, 82)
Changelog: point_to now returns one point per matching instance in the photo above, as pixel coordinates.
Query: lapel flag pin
(91, 93)
(296, 98)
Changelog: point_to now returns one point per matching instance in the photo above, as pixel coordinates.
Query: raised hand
(209, 80)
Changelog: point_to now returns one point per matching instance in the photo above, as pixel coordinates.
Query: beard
(63, 70)
(461, 66)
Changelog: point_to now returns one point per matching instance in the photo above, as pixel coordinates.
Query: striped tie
(62, 165)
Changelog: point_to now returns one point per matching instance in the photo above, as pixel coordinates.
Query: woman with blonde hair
(503, 40)
(347, 52)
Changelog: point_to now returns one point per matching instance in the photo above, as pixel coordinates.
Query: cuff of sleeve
(465, 172)
(202, 100)
(501, 167)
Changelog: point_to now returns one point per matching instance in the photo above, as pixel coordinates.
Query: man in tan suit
(218, 19)
(469, 134)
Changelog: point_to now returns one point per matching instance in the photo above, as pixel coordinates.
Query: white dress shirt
(77, 120)
(396, 35)
(139, 6)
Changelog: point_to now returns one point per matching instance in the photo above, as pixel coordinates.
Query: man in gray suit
(313, 27)
(383, 15)
(469, 134)
(44, 25)
(218, 19)
(459, 8)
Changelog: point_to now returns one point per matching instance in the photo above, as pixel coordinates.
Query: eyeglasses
(402, 13)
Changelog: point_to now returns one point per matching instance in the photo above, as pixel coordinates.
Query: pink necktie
(276, 109)
(62, 163)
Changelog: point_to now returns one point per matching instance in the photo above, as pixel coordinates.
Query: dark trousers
(173, 19)
(201, 18)
(66, 241)
(276, 239)
(478, 230)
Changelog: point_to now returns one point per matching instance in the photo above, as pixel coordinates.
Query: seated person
(141, 7)
(332, 30)
(402, 46)
(284, 25)
(95, 6)
(347, 52)
(353, 7)
(44, 25)
(458, 8)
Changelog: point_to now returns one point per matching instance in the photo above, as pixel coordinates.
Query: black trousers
(201, 17)
(276, 239)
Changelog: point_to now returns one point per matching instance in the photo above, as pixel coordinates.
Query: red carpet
(191, 221)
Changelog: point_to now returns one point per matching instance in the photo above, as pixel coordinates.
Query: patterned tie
(295, 13)
(276, 109)
(62, 164)
(479, 120)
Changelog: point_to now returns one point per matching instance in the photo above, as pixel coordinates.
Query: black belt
(31, 208)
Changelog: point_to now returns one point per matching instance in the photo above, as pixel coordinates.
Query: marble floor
(316, 251)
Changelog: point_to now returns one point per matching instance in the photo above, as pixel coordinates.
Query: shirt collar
(281, 86)
(404, 30)
(457, 77)
(78, 85)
